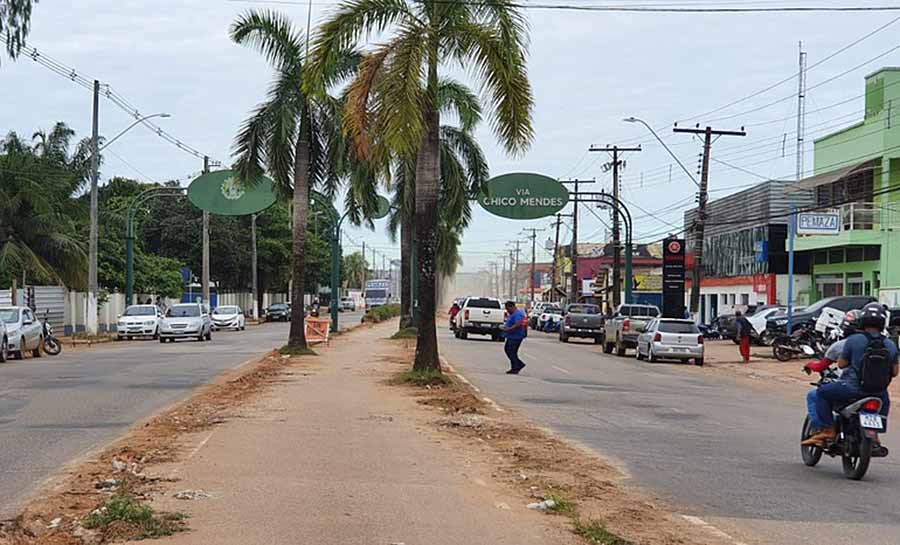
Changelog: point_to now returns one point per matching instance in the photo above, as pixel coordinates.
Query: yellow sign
(648, 282)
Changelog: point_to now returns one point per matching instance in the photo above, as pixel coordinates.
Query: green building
(857, 174)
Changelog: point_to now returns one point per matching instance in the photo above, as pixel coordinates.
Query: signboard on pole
(523, 196)
(818, 223)
(221, 193)
(673, 278)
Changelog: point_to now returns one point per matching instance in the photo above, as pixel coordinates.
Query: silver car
(670, 338)
(23, 331)
(186, 321)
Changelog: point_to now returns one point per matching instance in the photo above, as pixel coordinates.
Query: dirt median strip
(121, 475)
(553, 475)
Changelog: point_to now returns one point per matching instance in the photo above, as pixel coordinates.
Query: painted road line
(561, 370)
(710, 528)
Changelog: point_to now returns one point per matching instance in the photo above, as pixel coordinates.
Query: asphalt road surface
(53, 410)
(717, 449)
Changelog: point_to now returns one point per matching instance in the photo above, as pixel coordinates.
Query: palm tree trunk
(297, 336)
(427, 191)
(405, 271)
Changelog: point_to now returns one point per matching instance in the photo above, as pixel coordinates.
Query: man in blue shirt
(514, 330)
(849, 386)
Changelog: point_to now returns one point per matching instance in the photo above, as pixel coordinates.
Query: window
(854, 254)
(877, 278)
(821, 258)
(482, 302)
(184, 311)
(586, 309)
(855, 284)
(731, 298)
(836, 256)
(745, 299)
(872, 253)
(677, 327)
(830, 285)
(142, 310)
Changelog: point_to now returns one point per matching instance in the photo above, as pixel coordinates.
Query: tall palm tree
(487, 35)
(15, 22)
(293, 134)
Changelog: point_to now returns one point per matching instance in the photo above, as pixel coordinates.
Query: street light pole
(91, 321)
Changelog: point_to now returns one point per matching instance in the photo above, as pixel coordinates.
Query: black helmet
(873, 315)
(850, 323)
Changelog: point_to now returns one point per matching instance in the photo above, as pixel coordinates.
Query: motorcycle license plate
(870, 420)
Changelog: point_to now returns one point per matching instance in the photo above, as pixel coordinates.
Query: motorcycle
(52, 345)
(858, 424)
(802, 341)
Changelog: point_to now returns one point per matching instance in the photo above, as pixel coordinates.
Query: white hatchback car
(228, 317)
(23, 331)
(670, 338)
(139, 321)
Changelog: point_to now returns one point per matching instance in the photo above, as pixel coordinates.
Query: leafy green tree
(294, 134)
(39, 236)
(487, 35)
(15, 22)
(354, 269)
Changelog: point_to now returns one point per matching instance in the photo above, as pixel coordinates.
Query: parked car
(23, 331)
(279, 312)
(186, 321)
(551, 315)
(583, 321)
(347, 303)
(535, 313)
(808, 316)
(622, 329)
(669, 338)
(481, 316)
(139, 321)
(4, 342)
(228, 317)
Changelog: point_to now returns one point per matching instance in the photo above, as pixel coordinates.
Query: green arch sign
(523, 196)
(221, 193)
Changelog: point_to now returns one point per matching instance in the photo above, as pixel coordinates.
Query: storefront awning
(830, 177)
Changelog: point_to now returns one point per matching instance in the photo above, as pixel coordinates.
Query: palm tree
(15, 22)
(293, 134)
(355, 267)
(487, 35)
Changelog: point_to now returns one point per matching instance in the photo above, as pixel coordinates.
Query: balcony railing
(868, 216)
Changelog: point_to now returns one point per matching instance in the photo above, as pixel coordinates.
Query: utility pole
(500, 275)
(205, 276)
(253, 264)
(557, 223)
(365, 267)
(514, 271)
(534, 233)
(617, 237)
(91, 321)
(511, 276)
(703, 197)
(801, 110)
(573, 258)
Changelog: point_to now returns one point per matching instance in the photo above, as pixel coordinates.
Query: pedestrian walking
(514, 331)
(743, 333)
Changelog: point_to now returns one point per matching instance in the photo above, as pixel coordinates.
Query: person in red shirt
(454, 310)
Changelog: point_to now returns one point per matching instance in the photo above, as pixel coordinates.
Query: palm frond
(458, 99)
(272, 34)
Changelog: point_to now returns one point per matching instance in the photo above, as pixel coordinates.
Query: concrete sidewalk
(332, 455)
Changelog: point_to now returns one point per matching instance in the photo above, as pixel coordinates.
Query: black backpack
(876, 368)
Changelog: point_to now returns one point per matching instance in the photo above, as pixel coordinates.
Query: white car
(228, 317)
(4, 342)
(186, 321)
(550, 314)
(23, 331)
(139, 321)
(670, 338)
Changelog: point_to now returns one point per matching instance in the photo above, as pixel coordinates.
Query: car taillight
(626, 324)
(872, 406)
(657, 338)
(467, 314)
(700, 339)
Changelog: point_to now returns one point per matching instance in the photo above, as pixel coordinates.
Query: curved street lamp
(633, 119)
(129, 127)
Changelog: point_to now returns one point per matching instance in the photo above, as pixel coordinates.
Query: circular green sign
(523, 196)
(221, 193)
(383, 208)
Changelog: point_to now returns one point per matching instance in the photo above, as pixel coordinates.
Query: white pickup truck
(480, 316)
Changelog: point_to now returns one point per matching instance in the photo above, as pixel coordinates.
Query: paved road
(713, 446)
(53, 410)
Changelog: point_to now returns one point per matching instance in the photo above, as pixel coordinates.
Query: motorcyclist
(454, 310)
(854, 351)
(849, 326)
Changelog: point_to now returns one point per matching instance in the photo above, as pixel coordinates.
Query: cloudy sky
(588, 69)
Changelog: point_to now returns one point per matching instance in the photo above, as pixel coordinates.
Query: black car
(279, 312)
(808, 316)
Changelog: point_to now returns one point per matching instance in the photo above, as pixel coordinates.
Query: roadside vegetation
(382, 313)
(422, 378)
(123, 518)
(405, 333)
(594, 532)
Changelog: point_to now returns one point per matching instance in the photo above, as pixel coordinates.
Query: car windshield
(584, 309)
(278, 307)
(678, 327)
(9, 315)
(552, 310)
(483, 302)
(226, 310)
(184, 311)
(142, 310)
(639, 311)
(376, 294)
(819, 305)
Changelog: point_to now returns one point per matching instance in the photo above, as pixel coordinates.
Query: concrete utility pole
(575, 289)
(500, 275)
(801, 110)
(557, 223)
(511, 276)
(534, 233)
(253, 264)
(204, 281)
(365, 266)
(91, 322)
(514, 270)
(617, 237)
(697, 275)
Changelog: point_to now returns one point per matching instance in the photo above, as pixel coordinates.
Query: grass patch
(382, 313)
(562, 507)
(125, 514)
(406, 333)
(422, 378)
(594, 532)
(288, 350)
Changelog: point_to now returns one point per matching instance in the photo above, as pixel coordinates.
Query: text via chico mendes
(522, 201)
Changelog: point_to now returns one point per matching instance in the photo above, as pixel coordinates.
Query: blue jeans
(511, 347)
(814, 421)
(839, 393)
